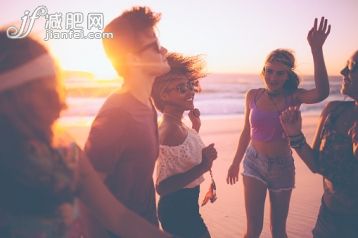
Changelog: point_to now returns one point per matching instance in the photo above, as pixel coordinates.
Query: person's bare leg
(280, 202)
(255, 194)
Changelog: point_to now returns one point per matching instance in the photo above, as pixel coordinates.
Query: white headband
(35, 69)
(284, 65)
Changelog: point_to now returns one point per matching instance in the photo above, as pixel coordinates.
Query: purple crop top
(265, 125)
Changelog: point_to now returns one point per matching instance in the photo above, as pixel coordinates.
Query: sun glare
(84, 55)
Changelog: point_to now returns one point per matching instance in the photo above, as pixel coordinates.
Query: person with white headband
(25, 73)
(268, 163)
(42, 172)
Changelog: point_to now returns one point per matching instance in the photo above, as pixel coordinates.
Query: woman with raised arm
(268, 163)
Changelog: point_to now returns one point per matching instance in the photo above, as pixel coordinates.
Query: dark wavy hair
(287, 58)
(191, 67)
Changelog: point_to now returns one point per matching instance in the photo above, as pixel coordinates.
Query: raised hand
(291, 121)
(194, 116)
(209, 154)
(318, 34)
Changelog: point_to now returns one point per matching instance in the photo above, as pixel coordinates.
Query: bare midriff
(272, 149)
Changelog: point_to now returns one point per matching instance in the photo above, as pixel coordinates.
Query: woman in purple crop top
(268, 163)
(334, 155)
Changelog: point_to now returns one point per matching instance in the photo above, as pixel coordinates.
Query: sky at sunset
(233, 35)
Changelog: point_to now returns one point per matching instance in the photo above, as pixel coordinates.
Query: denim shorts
(332, 225)
(276, 173)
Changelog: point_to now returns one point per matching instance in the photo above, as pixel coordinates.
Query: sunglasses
(211, 194)
(351, 67)
(184, 87)
(153, 45)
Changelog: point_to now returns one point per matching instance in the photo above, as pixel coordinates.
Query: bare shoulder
(171, 134)
(250, 94)
(254, 91)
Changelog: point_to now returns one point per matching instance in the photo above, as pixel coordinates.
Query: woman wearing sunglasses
(334, 155)
(268, 164)
(183, 157)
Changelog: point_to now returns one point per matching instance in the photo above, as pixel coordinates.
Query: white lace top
(181, 158)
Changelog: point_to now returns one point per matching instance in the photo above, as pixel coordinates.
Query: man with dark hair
(123, 140)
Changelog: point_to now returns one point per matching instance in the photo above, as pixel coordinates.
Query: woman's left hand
(194, 116)
(317, 36)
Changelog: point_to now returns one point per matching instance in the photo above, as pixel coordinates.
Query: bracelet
(297, 141)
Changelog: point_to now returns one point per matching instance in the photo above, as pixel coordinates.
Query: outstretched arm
(291, 122)
(316, 38)
(345, 173)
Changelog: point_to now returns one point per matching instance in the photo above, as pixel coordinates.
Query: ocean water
(222, 95)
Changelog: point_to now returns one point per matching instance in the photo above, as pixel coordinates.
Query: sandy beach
(226, 217)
